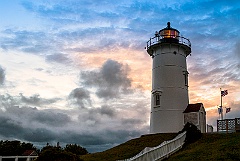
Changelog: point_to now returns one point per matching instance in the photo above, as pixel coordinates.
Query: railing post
(227, 125)
(16, 158)
(0, 158)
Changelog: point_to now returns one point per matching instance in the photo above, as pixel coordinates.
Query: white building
(169, 80)
(196, 114)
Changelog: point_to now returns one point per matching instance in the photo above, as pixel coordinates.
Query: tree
(50, 153)
(12, 148)
(75, 149)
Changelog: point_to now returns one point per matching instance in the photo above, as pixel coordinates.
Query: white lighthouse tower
(169, 80)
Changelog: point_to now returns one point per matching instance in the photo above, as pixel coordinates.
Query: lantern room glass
(168, 33)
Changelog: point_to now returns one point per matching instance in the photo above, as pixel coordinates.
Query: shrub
(57, 154)
(193, 133)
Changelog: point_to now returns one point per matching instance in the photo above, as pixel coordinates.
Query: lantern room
(169, 34)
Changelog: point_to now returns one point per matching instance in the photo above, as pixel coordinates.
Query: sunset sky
(76, 71)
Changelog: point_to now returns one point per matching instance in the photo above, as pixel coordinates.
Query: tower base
(166, 121)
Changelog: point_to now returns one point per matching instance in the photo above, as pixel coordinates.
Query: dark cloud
(42, 126)
(36, 100)
(10, 127)
(106, 110)
(98, 116)
(103, 138)
(31, 124)
(48, 117)
(80, 97)
(7, 101)
(39, 135)
(14, 129)
(58, 57)
(111, 80)
(2, 76)
(52, 118)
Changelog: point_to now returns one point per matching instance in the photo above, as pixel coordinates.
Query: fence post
(227, 125)
(0, 158)
(16, 158)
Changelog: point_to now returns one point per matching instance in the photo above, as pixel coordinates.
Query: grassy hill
(222, 147)
(211, 147)
(129, 148)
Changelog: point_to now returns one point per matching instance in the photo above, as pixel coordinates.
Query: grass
(211, 147)
(129, 148)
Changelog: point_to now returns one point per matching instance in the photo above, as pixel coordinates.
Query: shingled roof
(30, 153)
(193, 107)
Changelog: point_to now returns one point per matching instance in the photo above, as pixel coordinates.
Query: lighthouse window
(186, 78)
(169, 34)
(157, 99)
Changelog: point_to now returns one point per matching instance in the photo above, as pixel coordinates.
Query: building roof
(193, 107)
(30, 153)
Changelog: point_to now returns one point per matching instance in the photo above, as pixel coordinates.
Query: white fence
(28, 158)
(161, 151)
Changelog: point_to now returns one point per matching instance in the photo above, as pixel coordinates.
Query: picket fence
(28, 158)
(164, 150)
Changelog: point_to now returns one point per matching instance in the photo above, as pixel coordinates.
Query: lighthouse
(169, 95)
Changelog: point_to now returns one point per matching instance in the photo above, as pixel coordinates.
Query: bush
(193, 133)
(75, 149)
(57, 154)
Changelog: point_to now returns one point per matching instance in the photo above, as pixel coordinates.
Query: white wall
(169, 66)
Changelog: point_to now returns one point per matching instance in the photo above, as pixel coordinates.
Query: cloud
(9, 127)
(85, 31)
(80, 97)
(106, 110)
(110, 81)
(36, 100)
(237, 51)
(27, 41)
(31, 124)
(7, 101)
(59, 58)
(51, 125)
(38, 135)
(2, 76)
(51, 118)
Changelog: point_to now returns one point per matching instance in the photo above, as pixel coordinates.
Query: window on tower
(185, 73)
(157, 98)
(171, 33)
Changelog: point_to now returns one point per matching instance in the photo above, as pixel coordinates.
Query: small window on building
(157, 99)
(185, 73)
